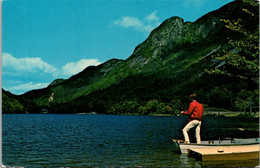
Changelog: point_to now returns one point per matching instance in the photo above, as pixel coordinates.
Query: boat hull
(183, 147)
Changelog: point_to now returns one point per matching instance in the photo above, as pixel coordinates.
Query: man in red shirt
(195, 113)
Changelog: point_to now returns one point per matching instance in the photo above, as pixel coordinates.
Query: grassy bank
(230, 114)
(219, 114)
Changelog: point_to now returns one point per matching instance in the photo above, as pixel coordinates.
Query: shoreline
(216, 114)
(206, 113)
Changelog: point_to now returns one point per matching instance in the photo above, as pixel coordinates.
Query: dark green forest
(215, 57)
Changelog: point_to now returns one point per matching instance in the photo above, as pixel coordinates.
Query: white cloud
(73, 68)
(128, 21)
(31, 65)
(19, 89)
(146, 25)
(152, 17)
(33, 69)
(27, 64)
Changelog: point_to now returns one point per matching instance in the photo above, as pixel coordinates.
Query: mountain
(75, 86)
(16, 105)
(165, 68)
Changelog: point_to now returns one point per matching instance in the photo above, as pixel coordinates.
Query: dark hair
(193, 96)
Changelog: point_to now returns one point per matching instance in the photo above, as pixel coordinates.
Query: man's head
(193, 96)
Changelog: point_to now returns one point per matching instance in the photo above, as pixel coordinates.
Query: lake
(110, 140)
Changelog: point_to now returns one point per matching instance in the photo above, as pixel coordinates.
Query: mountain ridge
(170, 61)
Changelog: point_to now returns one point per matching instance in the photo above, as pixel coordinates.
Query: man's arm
(191, 108)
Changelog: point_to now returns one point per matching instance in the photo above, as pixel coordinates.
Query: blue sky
(43, 40)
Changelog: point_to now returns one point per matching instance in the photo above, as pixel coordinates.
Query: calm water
(109, 140)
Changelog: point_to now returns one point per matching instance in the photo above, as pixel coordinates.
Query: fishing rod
(172, 101)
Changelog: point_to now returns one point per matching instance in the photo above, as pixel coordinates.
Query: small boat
(180, 147)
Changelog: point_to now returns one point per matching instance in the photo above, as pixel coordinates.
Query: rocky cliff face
(172, 36)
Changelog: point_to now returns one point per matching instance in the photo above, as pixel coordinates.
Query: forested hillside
(177, 58)
(13, 104)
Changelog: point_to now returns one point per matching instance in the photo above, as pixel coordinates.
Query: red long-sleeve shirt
(195, 111)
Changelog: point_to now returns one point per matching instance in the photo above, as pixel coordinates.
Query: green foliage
(12, 104)
(152, 107)
(247, 101)
(125, 107)
(242, 60)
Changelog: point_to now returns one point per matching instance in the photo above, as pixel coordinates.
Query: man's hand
(182, 112)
